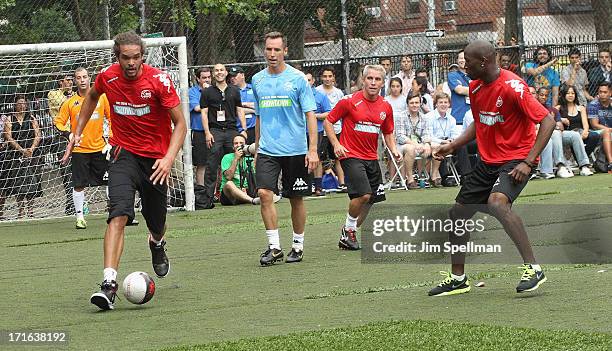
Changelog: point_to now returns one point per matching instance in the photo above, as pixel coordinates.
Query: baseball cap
(235, 70)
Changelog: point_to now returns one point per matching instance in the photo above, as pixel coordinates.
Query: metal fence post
(345, 50)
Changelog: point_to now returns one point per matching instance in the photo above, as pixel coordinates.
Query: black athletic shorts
(328, 148)
(128, 173)
(296, 179)
(89, 169)
(320, 150)
(199, 151)
(363, 177)
(226, 201)
(487, 179)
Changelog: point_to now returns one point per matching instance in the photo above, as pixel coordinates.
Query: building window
(413, 8)
(449, 5)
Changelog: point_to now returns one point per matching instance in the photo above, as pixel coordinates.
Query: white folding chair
(453, 169)
(398, 168)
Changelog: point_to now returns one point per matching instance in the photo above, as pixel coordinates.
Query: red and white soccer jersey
(505, 114)
(139, 109)
(362, 122)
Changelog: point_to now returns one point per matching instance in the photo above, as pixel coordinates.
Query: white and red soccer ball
(138, 288)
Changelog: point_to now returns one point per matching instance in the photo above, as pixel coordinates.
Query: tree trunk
(602, 17)
(243, 37)
(295, 39)
(205, 32)
(510, 27)
(83, 18)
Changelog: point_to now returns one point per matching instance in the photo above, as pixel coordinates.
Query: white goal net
(33, 184)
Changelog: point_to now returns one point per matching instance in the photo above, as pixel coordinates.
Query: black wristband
(531, 165)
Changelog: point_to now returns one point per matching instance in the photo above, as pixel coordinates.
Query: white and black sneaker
(105, 298)
(531, 279)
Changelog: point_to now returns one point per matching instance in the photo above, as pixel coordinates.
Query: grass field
(217, 297)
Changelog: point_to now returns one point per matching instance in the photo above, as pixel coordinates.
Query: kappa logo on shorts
(145, 94)
(299, 184)
(496, 182)
(381, 190)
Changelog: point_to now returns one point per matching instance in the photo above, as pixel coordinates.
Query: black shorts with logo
(320, 150)
(89, 169)
(328, 148)
(363, 177)
(296, 179)
(199, 150)
(485, 179)
(128, 173)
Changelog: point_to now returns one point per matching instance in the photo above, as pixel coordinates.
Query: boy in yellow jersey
(89, 163)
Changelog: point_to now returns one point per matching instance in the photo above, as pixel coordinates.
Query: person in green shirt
(234, 167)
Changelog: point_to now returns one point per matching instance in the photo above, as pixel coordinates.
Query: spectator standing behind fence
(55, 99)
(458, 82)
(328, 78)
(236, 76)
(505, 62)
(406, 74)
(599, 113)
(221, 108)
(4, 119)
(422, 72)
(199, 150)
(21, 173)
(600, 73)
(540, 73)
(574, 74)
(385, 62)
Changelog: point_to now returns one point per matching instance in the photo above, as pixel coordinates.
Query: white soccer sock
(273, 239)
(536, 267)
(298, 241)
(110, 274)
(351, 222)
(78, 197)
(458, 277)
(152, 239)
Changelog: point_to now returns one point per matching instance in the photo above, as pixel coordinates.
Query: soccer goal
(35, 73)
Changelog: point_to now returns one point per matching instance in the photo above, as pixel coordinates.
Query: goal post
(33, 71)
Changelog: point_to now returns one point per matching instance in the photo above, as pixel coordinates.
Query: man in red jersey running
(505, 114)
(143, 104)
(364, 116)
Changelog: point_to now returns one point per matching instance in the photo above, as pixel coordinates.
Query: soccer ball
(138, 288)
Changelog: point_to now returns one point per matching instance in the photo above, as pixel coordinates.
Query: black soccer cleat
(134, 222)
(450, 286)
(161, 265)
(294, 256)
(531, 279)
(105, 298)
(348, 239)
(270, 256)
